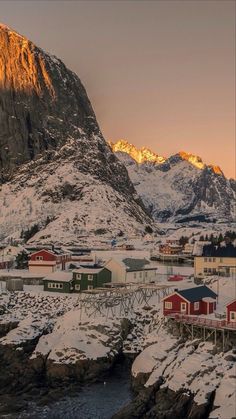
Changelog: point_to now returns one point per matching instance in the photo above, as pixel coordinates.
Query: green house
(90, 278)
(60, 281)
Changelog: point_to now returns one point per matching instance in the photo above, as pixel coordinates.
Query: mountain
(180, 188)
(57, 171)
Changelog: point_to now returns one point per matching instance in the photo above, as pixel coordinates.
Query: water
(95, 401)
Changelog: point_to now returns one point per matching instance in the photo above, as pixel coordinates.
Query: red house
(231, 312)
(47, 261)
(197, 300)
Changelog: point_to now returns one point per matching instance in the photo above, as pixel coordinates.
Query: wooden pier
(218, 330)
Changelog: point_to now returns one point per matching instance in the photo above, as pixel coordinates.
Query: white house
(8, 256)
(130, 269)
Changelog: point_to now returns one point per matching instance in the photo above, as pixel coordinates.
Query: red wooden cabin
(193, 301)
(231, 312)
(46, 261)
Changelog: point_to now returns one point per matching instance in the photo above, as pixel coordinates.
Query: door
(183, 308)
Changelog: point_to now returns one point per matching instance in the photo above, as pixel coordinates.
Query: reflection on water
(95, 401)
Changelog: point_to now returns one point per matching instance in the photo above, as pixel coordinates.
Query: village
(125, 273)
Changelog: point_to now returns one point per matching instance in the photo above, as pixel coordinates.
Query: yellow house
(213, 266)
(216, 261)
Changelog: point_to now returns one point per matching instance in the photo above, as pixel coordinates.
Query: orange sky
(160, 74)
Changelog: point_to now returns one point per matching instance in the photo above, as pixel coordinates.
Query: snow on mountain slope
(66, 203)
(182, 188)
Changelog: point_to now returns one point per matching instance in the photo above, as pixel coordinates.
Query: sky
(160, 74)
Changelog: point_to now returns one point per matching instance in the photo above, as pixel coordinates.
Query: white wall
(41, 269)
(118, 273)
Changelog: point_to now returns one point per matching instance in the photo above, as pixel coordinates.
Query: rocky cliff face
(181, 188)
(48, 127)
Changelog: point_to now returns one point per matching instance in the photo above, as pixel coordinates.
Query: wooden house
(231, 312)
(193, 301)
(130, 269)
(88, 278)
(60, 281)
(46, 261)
(216, 260)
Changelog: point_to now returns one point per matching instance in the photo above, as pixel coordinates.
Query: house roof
(197, 293)
(133, 264)
(231, 302)
(219, 251)
(60, 276)
(43, 250)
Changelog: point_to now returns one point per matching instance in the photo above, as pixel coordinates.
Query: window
(205, 270)
(39, 258)
(145, 274)
(168, 305)
(183, 307)
(205, 259)
(140, 274)
(135, 275)
(209, 259)
(77, 287)
(196, 306)
(90, 277)
(90, 287)
(214, 259)
(233, 315)
(78, 276)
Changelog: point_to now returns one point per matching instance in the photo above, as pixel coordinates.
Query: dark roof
(219, 251)
(197, 293)
(136, 264)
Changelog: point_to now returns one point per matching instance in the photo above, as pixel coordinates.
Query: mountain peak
(193, 159)
(140, 155)
(197, 162)
(23, 66)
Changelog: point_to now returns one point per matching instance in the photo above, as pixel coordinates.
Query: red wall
(230, 307)
(46, 256)
(212, 307)
(176, 301)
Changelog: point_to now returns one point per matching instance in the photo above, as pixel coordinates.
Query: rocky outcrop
(156, 403)
(42, 105)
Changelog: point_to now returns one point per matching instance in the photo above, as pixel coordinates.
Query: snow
(72, 340)
(62, 276)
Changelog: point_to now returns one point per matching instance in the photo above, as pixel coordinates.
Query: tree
(22, 260)
(27, 234)
(148, 229)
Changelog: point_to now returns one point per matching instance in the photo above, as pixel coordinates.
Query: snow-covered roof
(62, 276)
(132, 264)
(85, 270)
(209, 300)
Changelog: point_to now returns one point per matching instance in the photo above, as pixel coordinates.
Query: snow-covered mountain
(180, 188)
(56, 169)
